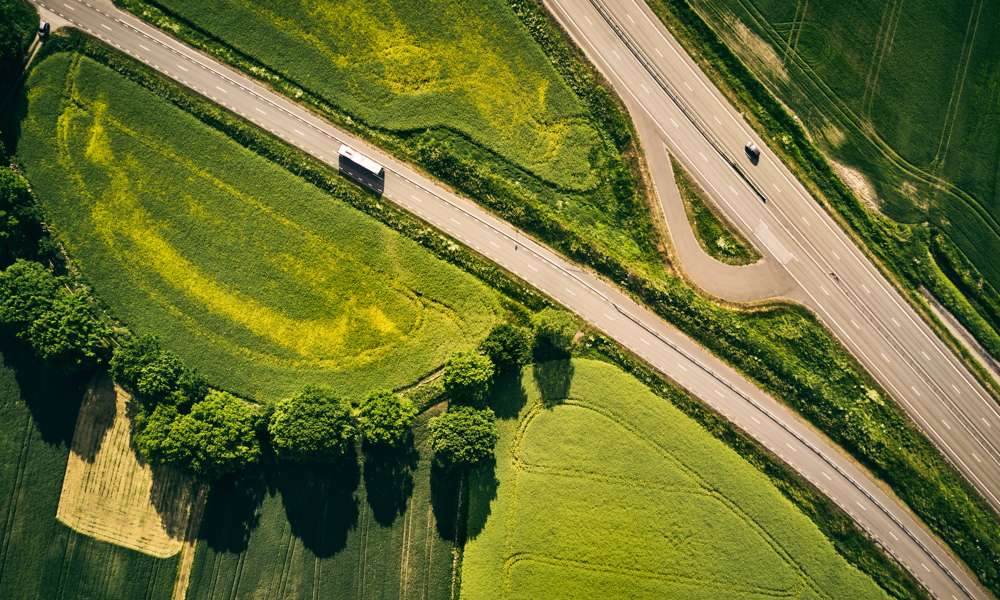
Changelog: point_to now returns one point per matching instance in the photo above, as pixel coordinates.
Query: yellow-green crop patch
(453, 64)
(604, 490)
(256, 278)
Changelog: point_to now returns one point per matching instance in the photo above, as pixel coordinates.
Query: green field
(905, 92)
(604, 490)
(365, 529)
(259, 280)
(716, 235)
(40, 557)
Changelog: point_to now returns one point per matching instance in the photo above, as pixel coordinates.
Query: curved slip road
(600, 303)
(659, 81)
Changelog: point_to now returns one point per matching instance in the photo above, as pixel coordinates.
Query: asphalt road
(659, 81)
(600, 303)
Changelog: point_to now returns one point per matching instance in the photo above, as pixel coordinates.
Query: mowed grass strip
(39, 556)
(454, 64)
(371, 526)
(256, 278)
(601, 489)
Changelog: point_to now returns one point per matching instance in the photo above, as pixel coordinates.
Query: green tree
(18, 22)
(467, 377)
(27, 289)
(155, 375)
(312, 425)
(20, 218)
(508, 346)
(218, 437)
(464, 435)
(68, 333)
(385, 419)
(556, 329)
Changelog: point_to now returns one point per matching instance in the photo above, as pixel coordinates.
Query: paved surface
(764, 280)
(600, 303)
(648, 67)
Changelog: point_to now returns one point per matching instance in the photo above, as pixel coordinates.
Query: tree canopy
(557, 328)
(155, 375)
(312, 425)
(508, 346)
(467, 377)
(18, 22)
(20, 217)
(217, 437)
(464, 435)
(385, 419)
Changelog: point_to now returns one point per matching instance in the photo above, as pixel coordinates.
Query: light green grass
(455, 64)
(261, 281)
(604, 490)
(332, 532)
(719, 239)
(905, 92)
(40, 557)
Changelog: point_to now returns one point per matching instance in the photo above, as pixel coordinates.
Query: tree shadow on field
(13, 110)
(320, 502)
(482, 486)
(231, 512)
(507, 397)
(52, 396)
(461, 497)
(97, 414)
(388, 476)
(553, 379)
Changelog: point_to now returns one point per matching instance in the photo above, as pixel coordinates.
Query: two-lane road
(659, 81)
(595, 300)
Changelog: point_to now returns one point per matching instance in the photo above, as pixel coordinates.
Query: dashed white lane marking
(703, 157)
(105, 25)
(946, 425)
(68, 6)
(688, 86)
(644, 88)
(825, 291)
(926, 568)
(806, 221)
(658, 53)
(827, 475)
(298, 132)
(145, 49)
(755, 419)
(717, 121)
(533, 267)
(263, 112)
(682, 367)
(618, 57)
(673, 122)
(976, 456)
(955, 387)
(609, 316)
(645, 341)
(925, 355)
(455, 221)
(571, 292)
(221, 89)
(733, 190)
(861, 506)
(413, 197)
(835, 255)
(182, 68)
(630, 18)
(985, 422)
(895, 322)
(915, 390)
(791, 447)
(884, 357)
(894, 536)
(865, 288)
(494, 244)
(855, 323)
(589, 22)
(719, 393)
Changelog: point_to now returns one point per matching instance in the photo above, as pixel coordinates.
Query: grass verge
(718, 238)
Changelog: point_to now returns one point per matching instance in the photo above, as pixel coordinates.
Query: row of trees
(467, 433)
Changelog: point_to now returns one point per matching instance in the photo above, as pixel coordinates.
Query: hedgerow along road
(602, 304)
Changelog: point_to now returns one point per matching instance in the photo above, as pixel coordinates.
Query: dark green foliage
(18, 22)
(312, 425)
(57, 321)
(218, 437)
(384, 419)
(155, 375)
(20, 218)
(508, 346)
(467, 377)
(556, 329)
(464, 435)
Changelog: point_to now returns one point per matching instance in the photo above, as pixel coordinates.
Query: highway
(660, 82)
(598, 302)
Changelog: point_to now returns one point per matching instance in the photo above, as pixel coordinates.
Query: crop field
(257, 279)
(362, 529)
(40, 557)
(904, 93)
(603, 490)
(715, 234)
(109, 494)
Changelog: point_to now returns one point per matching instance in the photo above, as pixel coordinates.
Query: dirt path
(109, 494)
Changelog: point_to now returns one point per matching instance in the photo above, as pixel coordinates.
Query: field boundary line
(955, 100)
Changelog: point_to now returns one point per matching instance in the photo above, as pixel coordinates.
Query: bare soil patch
(110, 494)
